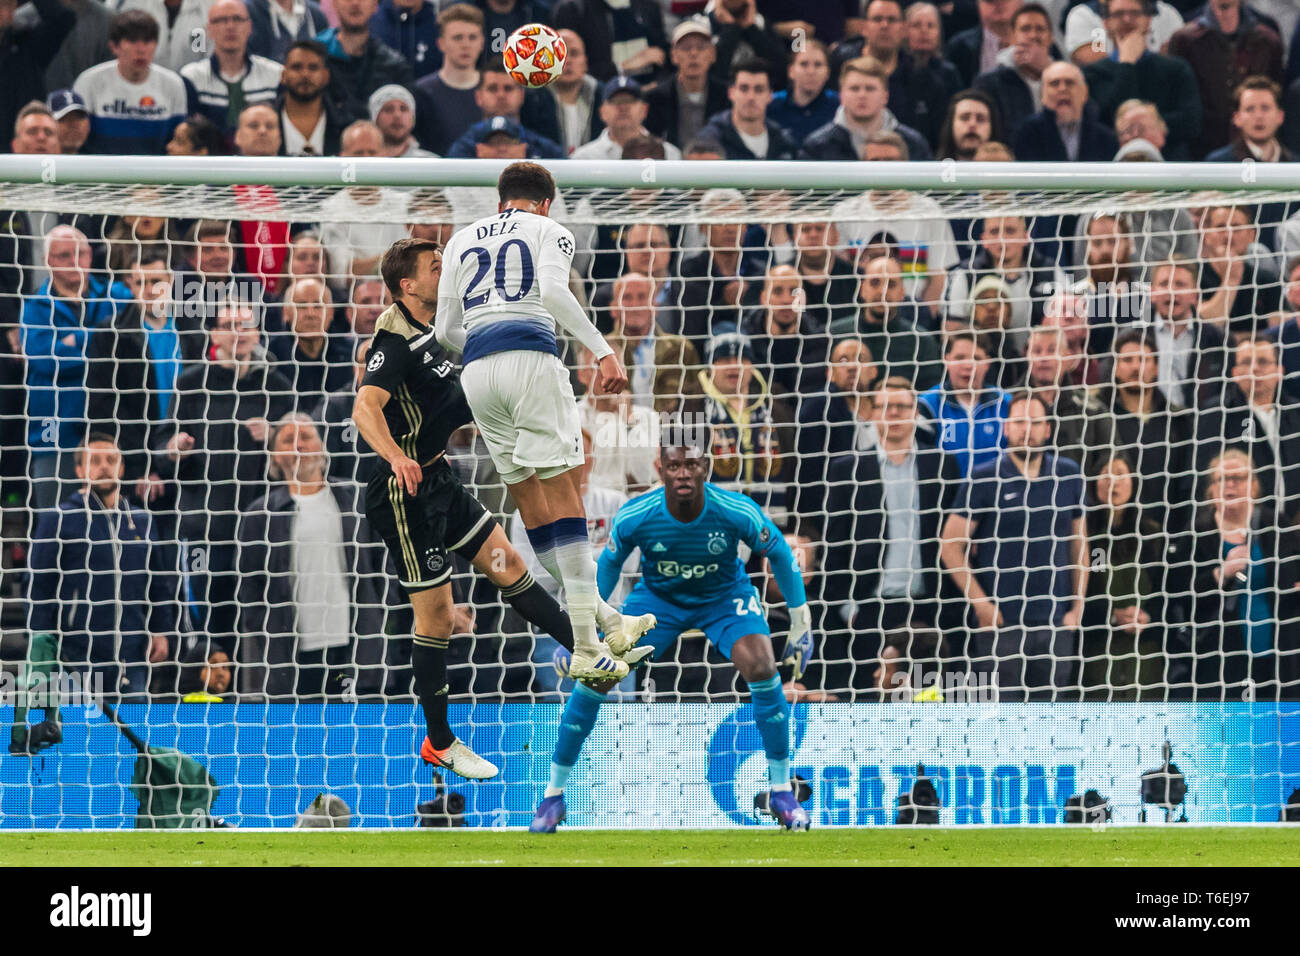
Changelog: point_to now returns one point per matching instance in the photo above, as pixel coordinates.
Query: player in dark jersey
(408, 404)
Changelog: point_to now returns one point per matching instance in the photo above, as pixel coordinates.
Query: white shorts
(525, 409)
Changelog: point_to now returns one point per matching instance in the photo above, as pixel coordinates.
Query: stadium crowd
(1064, 450)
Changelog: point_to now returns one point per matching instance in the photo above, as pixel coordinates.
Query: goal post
(807, 315)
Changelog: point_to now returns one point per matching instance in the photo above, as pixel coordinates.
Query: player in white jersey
(505, 289)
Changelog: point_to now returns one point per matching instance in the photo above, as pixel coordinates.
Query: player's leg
(550, 440)
(433, 622)
(553, 511)
(524, 408)
(551, 508)
(576, 725)
(498, 561)
(753, 657)
(583, 706)
(739, 630)
(414, 530)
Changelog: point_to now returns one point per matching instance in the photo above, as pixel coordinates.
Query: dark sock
(538, 608)
(429, 661)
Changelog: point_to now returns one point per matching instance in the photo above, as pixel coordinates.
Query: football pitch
(1011, 846)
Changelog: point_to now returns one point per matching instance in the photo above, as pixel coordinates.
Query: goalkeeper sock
(573, 555)
(772, 714)
(531, 601)
(542, 538)
(576, 724)
(429, 661)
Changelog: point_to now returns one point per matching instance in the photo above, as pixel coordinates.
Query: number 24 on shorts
(751, 608)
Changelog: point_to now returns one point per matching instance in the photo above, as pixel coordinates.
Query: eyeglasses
(225, 21)
(1257, 362)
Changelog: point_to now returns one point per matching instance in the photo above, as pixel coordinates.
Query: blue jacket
(56, 371)
(721, 129)
(414, 35)
(800, 121)
(973, 438)
(97, 573)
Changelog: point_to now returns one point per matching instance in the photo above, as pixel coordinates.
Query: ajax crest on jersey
(717, 542)
(534, 55)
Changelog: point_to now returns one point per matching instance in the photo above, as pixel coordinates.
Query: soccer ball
(534, 55)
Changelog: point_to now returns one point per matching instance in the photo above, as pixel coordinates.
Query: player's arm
(449, 324)
(766, 538)
(384, 370)
(368, 415)
(609, 566)
(786, 570)
(558, 299)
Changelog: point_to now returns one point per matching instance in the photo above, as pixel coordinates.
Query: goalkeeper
(692, 579)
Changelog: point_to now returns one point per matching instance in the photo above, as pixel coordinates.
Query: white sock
(547, 560)
(578, 573)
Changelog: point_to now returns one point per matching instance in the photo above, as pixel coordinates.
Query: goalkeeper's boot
(787, 810)
(596, 662)
(550, 814)
(623, 636)
(458, 758)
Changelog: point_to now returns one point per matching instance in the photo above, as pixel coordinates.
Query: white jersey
(492, 277)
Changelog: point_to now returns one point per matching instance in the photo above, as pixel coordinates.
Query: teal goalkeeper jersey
(695, 563)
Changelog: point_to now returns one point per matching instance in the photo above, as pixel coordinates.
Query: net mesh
(1190, 595)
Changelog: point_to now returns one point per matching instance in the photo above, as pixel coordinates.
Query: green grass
(1114, 846)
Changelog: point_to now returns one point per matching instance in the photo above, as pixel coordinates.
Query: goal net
(1033, 436)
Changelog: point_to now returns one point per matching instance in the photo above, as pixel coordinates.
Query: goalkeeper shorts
(723, 622)
(421, 529)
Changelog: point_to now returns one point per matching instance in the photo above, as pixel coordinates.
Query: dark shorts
(420, 530)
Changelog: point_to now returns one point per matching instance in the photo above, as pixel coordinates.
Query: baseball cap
(480, 131)
(63, 102)
(622, 84)
(690, 27)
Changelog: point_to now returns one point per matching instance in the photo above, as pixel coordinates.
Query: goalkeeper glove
(799, 644)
